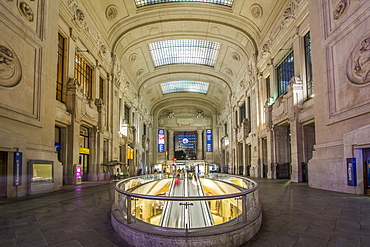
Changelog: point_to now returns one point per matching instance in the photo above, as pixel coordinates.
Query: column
(199, 145)
(171, 152)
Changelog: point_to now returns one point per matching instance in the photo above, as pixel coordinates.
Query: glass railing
(224, 199)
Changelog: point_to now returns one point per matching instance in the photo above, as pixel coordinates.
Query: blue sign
(17, 169)
(351, 172)
(161, 141)
(209, 146)
(57, 146)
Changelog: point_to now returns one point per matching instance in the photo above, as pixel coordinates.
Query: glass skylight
(184, 51)
(140, 3)
(184, 86)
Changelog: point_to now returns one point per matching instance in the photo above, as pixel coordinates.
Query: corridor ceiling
(239, 30)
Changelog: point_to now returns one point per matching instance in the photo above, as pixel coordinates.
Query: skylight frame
(184, 51)
(185, 86)
(141, 3)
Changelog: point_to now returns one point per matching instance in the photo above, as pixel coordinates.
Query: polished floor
(293, 215)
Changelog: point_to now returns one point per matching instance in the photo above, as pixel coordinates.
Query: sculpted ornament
(26, 11)
(10, 67)
(358, 64)
(256, 11)
(111, 12)
(340, 9)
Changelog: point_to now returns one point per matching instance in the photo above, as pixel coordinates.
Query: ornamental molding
(283, 23)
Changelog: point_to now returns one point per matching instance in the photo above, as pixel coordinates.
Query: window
(308, 58)
(184, 86)
(225, 128)
(101, 89)
(60, 68)
(127, 113)
(140, 3)
(285, 71)
(84, 75)
(241, 113)
(184, 51)
(144, 129)
(268, 94)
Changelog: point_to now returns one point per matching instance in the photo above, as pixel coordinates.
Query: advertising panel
(209, 147)
(160, 141)
(17, 181)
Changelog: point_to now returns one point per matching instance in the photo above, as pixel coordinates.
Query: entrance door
(3, 173)
(366, 158)
(84, 162)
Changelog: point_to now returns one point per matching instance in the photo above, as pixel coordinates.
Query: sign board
(84, 151)
(17, 180)
(209, 141)
(161, 141)
(351, 172)
(78, 171)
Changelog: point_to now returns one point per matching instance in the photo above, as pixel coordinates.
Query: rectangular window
(225, 128)
(249, 114)
(308, 58)
(101, 89)
(285, 71)
(127, 113)
(241, 113)
(84, 75)
(60, 68)
(268, 94)
(144, 129)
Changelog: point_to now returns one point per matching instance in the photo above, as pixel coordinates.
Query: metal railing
(231, 199)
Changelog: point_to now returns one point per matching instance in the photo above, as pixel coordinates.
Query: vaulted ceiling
(129, 30)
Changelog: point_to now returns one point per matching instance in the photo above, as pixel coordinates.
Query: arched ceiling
(129, 30)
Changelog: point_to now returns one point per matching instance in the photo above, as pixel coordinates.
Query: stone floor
(293, 215)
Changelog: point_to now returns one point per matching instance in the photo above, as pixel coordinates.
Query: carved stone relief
(256, 11)
(10, 67)
(358, 64)
(111, 12)
(235, 56)
(26, 11)
(340, 8)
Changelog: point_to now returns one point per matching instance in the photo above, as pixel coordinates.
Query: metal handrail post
(128, 213)
(244, 206)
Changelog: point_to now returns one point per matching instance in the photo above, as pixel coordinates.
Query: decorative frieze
(285, 20)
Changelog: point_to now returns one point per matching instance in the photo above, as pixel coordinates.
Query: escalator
(186, 214)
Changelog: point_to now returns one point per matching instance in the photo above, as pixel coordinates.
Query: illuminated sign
(78, 171)
(17, 169)
(209, 147)
(84, 151)
(185, 140)
(160, 141)
(130, 153)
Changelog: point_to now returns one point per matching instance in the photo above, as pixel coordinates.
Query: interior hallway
(293, 215)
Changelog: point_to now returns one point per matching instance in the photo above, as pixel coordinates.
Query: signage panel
(351, 172)
(209, 147)
(161, 141)
(17, 180)
(84, 151)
